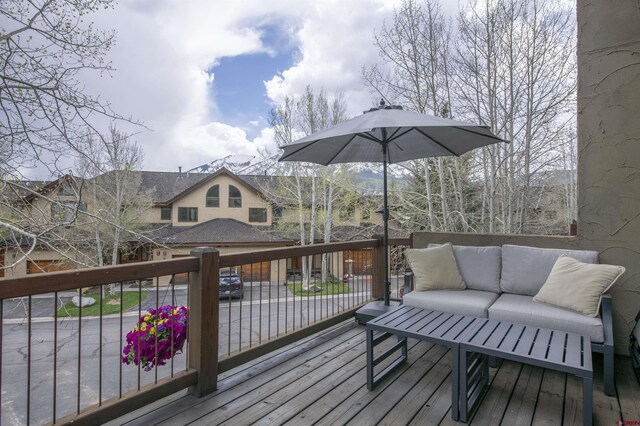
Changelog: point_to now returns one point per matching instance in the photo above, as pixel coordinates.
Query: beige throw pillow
(578, 286)
(435, 268)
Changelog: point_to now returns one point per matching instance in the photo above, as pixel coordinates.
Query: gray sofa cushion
(523, 310)
(525, 269)
(464, 302)
(479, 266)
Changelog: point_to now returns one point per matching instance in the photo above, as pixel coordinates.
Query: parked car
(231, 286)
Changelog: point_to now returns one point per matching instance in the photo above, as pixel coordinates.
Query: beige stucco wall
(197, 198)
(40, 209)
(609, 146)
(608, 155)
(20, 269)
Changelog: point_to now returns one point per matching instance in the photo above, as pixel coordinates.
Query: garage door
(39, 266)
(260, 271)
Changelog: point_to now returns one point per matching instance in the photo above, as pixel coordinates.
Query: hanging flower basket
(159, 335)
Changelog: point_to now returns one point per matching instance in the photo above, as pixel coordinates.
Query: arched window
(213, 196)
(235, 198)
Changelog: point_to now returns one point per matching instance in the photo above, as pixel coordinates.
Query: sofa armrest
(408, 283)
(607, 319)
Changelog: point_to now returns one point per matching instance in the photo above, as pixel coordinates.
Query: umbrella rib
(394, 137)
(342, 149)
(464, 129)
(284, 157)
(442, 146)
(368, 136)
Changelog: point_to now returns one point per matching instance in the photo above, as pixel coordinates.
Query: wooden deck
(322, 380)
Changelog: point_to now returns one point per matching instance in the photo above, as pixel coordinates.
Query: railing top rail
(283, 253)
(88, 277)
(399, 241)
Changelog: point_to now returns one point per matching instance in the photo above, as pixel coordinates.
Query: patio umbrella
(388, 134)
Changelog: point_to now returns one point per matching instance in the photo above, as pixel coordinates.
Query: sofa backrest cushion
(479, 266)
(435, 268)
(525, 269)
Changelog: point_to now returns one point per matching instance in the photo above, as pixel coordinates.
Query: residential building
(233, 213)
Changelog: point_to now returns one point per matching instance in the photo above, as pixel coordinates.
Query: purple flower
(150, 343)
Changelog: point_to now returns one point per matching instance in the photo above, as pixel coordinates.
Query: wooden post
(203, 320)
(377, 276)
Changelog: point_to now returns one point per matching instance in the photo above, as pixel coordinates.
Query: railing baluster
(138, 334)
(269, 306)
(156, 326)
(230, 309)
(1, 345)
(278, 295)
(251, 304)
(240, 309)
(100, 350)
(55, 356)
(260, 309)
(173, 303)
(79, 348)
(121, 345)
(29, 362)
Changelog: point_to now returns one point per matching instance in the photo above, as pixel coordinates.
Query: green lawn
(327, 289)
(110, 304)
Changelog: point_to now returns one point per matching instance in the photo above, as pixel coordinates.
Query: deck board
(322, 380)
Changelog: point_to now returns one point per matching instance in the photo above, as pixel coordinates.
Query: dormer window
(213, 196)
(235, 197)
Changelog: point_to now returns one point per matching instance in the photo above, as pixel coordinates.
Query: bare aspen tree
(517, 74)
(46, 113)
(294, 118)
(415, 71)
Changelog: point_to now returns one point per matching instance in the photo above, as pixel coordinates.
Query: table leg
(369, 333)
(455, 383)
(587, 400)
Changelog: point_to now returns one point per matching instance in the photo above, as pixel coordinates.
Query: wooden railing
(273, 313)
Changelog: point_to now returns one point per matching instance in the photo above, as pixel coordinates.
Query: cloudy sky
(202, 75)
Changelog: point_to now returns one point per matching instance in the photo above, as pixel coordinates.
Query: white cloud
(336, 40)
(165, 51)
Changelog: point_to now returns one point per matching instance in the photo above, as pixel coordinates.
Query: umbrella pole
(385, 219)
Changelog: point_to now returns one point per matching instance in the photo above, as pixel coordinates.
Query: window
(213, 196)
(235, 198)
(65, 211)
(187, 214)
(165, 213)
(257, 215)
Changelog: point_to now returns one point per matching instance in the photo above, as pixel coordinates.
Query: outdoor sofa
(500, 283)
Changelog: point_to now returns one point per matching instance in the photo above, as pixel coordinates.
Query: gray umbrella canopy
(408, 136)
(388, 134)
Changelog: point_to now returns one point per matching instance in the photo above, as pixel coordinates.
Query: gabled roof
(170, 186)
(28, 190)
(219, 231)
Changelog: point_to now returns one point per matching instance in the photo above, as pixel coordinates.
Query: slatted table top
(524, 343)
(439, 327)
(533, 345)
